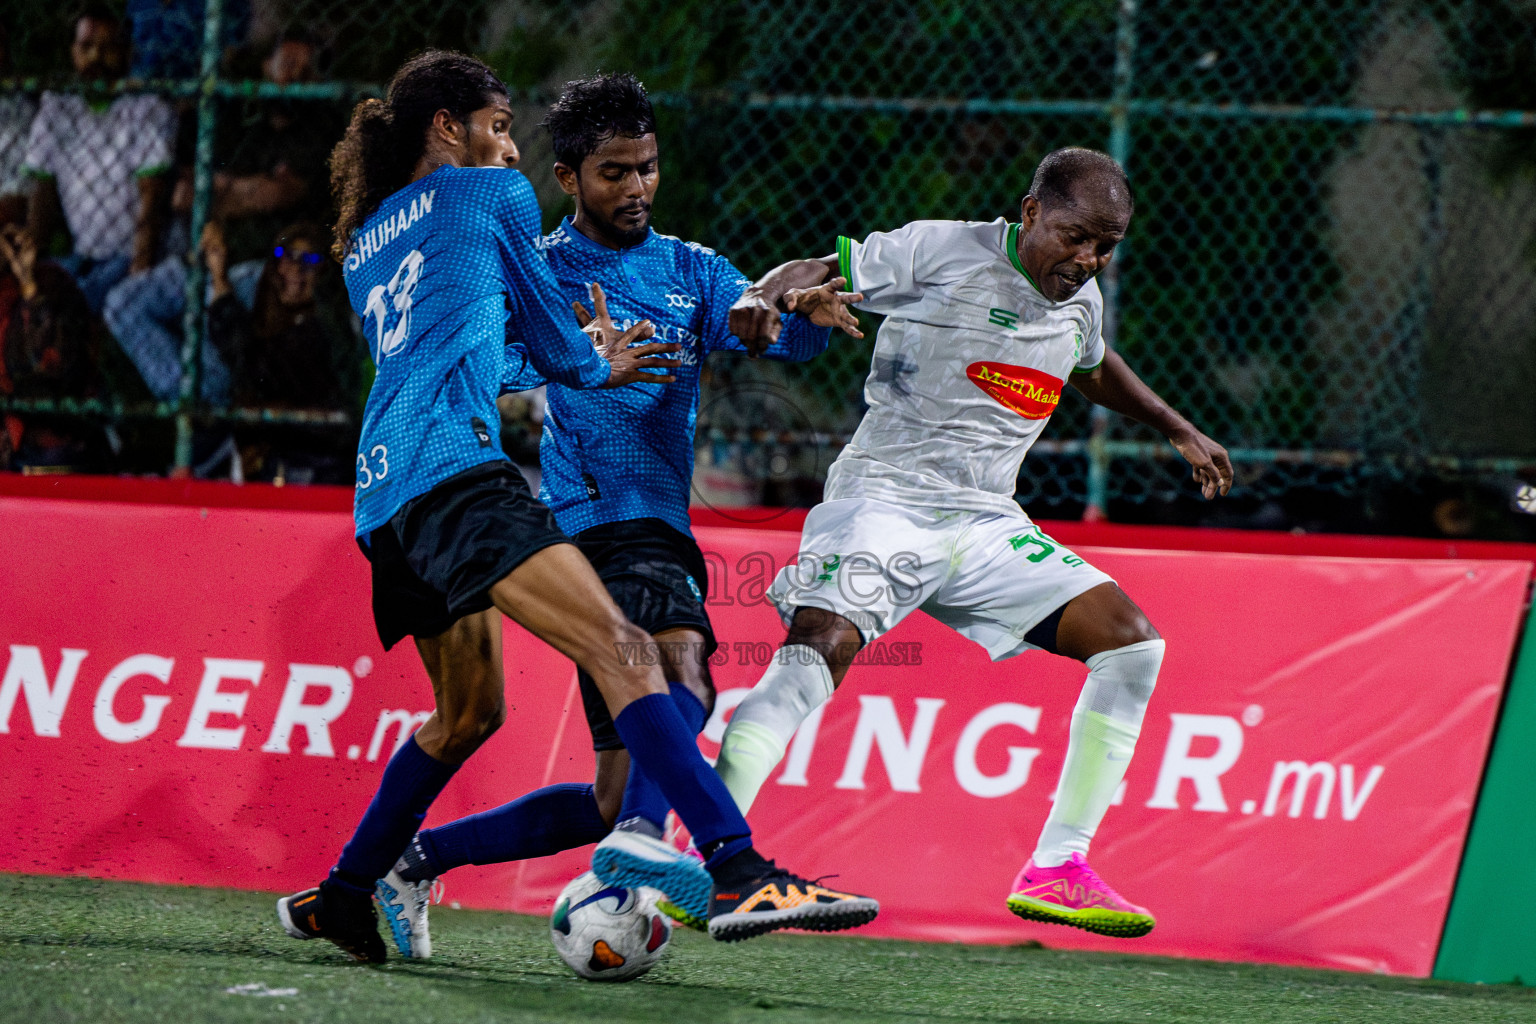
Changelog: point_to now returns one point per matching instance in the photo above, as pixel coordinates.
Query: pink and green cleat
(1074, 895)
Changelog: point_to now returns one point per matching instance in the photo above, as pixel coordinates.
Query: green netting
(1332, 268)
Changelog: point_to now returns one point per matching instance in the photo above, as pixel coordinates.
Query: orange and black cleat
(766, 898)
(331, 912)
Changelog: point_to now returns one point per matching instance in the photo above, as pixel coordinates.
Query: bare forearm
(774, 285)
(146, 235)
(259, 193)
(28, 287)
(43, 211)
(1116, 387)
(805, 287)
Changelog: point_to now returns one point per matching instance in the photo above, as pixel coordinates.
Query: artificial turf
(82, 950)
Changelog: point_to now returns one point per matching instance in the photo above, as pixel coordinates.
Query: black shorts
(436, 559)
(658, 578)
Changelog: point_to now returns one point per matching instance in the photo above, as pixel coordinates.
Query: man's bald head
(1076, 176)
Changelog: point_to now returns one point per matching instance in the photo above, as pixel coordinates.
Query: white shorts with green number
(990, 577)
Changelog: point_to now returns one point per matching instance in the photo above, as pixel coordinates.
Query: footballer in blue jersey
(442, 264)
(438, 241)
(617, 468)
(628, 453)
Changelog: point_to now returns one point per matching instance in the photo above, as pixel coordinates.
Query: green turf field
(79, 950)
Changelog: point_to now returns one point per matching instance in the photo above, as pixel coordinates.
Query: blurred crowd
(96, 199)
(97, 254)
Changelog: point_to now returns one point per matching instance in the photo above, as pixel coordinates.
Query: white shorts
(990, 577)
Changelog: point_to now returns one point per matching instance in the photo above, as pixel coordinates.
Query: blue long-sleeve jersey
(444, 273)
(627, 453)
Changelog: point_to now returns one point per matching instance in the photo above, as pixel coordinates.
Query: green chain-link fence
(1332, 268)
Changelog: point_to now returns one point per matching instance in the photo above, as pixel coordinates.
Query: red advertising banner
(197, 695)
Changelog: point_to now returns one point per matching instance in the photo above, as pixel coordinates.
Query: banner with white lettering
(198, 696)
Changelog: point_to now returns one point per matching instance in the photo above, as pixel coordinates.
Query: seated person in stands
(271, 162)
(101, 161)
(294, 348)
(47, 343)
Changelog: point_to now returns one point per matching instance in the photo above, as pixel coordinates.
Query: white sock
(1105, 725)
(796, 683)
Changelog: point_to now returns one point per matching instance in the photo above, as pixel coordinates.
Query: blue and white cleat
(632, 859)
(405, 911)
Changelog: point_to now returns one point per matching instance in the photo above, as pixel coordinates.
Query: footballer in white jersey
(968, 366)
(985, 324)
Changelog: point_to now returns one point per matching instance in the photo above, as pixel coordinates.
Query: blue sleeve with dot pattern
(520, 374)
(540, 318)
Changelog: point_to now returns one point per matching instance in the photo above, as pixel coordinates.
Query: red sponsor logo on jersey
(1032, 394)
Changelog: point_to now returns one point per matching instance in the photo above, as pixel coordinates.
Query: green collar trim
(845, 260)
(1011, 243)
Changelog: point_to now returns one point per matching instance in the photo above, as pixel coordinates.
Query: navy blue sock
(661, 744)
(411, 781)
(690, 707)
(642, 797)
(537, 824)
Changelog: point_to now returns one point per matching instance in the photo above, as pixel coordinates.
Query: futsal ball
(605, 933)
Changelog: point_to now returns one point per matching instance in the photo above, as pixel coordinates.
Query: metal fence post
(1109, 284)
(202, 187)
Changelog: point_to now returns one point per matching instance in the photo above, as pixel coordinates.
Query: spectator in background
(284, 348)
(273, 153)
(272, 171)
(168, 35)
(102, 161)
(292, 348)
(522, 425)
(17, 110)
(47, 337)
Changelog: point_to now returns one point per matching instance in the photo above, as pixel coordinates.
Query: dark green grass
(88, 951)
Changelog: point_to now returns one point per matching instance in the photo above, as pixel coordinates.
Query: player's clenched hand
(755, 321)
(1213, 469)
(827, 306)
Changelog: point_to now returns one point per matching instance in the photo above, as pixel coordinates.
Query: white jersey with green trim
(968, 365)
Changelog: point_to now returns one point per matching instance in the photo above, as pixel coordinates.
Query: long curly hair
(386, 137)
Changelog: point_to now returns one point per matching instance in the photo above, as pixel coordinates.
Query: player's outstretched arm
(806, 287)
(827, 305)
(1114, 385)
(629, 365)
